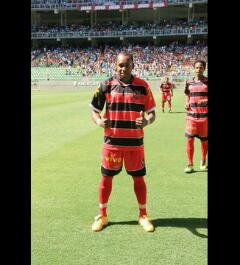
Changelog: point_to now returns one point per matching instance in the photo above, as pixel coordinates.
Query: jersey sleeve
(98, 99)
(150, 104)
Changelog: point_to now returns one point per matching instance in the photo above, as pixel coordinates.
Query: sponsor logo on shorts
(189, 128)
(113, 159)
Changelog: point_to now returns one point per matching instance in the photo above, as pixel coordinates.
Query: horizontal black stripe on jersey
(137, 173)
(122, 106)
(198, 115)
(123, 141)
(196, 104)
(198, 94)
(130, 89)
(109, 172)
(123, 124)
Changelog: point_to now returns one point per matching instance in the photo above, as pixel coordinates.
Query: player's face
(124, 67)
(199, 69)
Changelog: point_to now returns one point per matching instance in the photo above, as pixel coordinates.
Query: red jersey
(124, 102)
(166, 87)
(198, 93)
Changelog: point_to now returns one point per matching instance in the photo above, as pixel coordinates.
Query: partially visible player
(126, 98)
(167, 93)
(196, 91)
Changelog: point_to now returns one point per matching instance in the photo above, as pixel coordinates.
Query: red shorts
(166, 96)
(197, 129)
(112, 162)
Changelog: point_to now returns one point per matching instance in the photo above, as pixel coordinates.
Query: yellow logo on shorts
(191, 128)
(113, 159)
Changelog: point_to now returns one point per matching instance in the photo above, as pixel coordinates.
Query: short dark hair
(200, 61)
(125, 53)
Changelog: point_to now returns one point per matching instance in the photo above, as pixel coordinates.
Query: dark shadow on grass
(123, 223)
(192, 224)
(196, 171)
(176, 112)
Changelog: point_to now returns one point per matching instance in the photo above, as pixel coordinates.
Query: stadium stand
(79, 39)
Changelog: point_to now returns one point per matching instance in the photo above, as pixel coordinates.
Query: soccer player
(127, 100)
(196, 92)
(167, 93)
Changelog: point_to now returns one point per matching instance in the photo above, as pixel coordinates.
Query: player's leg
(190, 150)
(104, 191)
(140, 190)
(204, 150)
(169, 103)
(111, 166)
(135, 166)
(163, 101)
(190, 133)
(203, 135)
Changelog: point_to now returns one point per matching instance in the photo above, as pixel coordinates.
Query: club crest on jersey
(136, 94)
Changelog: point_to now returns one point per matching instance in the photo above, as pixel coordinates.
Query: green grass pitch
(66, 148)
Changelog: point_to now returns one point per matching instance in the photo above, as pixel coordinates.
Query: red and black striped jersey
(166, 87)
(124, 102)
(198, 98)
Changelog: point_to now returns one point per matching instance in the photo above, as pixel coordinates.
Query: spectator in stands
(127, 98)
(149, 60)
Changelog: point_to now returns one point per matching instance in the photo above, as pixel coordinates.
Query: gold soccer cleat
(99, 223)
(189, 169)
(203, 165)
(146, 224)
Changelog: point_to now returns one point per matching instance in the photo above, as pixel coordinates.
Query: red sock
(163, 103)
(105, 188)
(169, 104)
(190, 150)
(204, 149)
(141, 194)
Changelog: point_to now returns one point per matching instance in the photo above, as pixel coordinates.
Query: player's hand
(141, 121)
(187, 106)
(203, 102)
(104, 123)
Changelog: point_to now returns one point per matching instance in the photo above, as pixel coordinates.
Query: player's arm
(187, 99)
(187, 104)
(161, 87)
(142, 122)
(151, 116)
(150, 107)
(100, 121)
(97, 106)
(171, 89)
